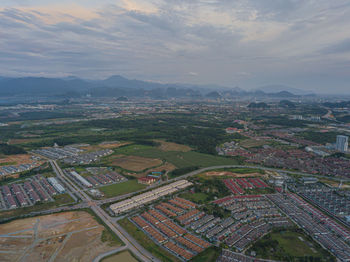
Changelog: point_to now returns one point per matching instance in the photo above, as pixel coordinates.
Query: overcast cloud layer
(249, 43)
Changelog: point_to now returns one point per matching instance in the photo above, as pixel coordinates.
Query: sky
(247, 43)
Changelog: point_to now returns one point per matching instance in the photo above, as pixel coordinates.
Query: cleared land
(121, 188)
(135, 163)
(16, 159)
(69, 236)
(146, 242)
(290, 246)
(124, 256)
(169, 146)
(230, 174)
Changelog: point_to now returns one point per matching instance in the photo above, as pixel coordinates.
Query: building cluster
(329, 234)
(164, 231)
(72, 154)
(145, 198)
(230, 256)
(328, 199)
(87, 158)
(150, 178)
(97, 178)
(254, 216)
(13, 169)
(296, 159)
(342, 143)
(56, 153)
(239, 185)
(32, 191)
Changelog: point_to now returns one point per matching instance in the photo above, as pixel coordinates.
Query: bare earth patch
(135, 163)
(69, 236)
(226, 173)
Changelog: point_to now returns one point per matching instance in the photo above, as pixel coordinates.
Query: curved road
(130, 242)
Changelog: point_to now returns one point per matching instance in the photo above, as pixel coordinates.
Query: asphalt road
(130, 243)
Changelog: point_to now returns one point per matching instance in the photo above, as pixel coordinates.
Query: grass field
(179, 159)
(61, 199)
(146, 242)
(124, 256)
(135, 163)
(290, 246)
(209, 255)
(121, 188)
(195, 197)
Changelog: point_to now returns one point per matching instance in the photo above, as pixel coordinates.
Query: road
(130, 242)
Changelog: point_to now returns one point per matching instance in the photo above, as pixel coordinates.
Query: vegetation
(11, 149)
(121, 188)
(208, 255)
(317, 137)
(147, 243)
(182, 171)
(291, 245)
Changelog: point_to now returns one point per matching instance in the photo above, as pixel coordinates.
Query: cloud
(243, 42)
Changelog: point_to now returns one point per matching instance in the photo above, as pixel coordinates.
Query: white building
(342, 143)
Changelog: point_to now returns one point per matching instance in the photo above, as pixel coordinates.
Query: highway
(130, 242)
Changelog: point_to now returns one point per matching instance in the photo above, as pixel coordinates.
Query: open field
(121, 188)
(135, 163)
(169, 146)
(124, 256)
(68, 236)
(178, 159)
(289, 246)
(61, 199)
(146, 242)
(249, 143)
(195, 197)
(209, 255)
(16, 159)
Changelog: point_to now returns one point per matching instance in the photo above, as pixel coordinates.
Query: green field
(195, 197)
(179, 159)
(209, 255)
(124, 256)
(290, 246)
(121, 188)
(146, 242)
(61, 199)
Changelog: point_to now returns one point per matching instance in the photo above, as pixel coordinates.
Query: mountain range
(116, 86)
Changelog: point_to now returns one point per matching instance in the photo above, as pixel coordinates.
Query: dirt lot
(169, 146)
(135, 163)
(226, 173)
(16, 159)
(69, 236)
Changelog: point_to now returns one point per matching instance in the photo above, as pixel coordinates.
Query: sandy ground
(169, 146)
(69, 236)
(226, 173)
(135, 163)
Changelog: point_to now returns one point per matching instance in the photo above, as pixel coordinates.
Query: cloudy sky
(246, 43)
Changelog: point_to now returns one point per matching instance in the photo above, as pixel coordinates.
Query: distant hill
(260, 105)
(280, 88)
(286, 104)
(213, 94)
(117, 86)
